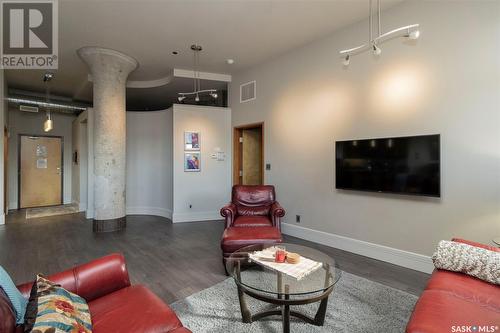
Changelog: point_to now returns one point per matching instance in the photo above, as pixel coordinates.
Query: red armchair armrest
(229, 213)
(91, 280)
(277, 212)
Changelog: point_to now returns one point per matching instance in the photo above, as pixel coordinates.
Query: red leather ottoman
(234, 238)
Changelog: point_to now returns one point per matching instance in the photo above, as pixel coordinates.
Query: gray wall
(447, 82)
(32, 123)
(149, 163)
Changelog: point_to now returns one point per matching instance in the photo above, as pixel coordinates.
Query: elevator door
(40, 171)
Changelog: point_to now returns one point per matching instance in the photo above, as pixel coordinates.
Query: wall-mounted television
(402, 165)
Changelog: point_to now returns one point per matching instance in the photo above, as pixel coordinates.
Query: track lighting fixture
(196, 79)
(48, 124)
(346, 61)
(412, 33)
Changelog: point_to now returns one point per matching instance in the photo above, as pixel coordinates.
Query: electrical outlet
(297, 218)
(268, 166)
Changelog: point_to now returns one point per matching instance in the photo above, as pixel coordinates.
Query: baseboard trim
(157, 211)
(398, 257)
(194, 217)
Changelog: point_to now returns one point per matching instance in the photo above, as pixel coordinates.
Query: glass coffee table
(273, 287)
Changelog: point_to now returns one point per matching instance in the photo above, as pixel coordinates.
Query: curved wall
(149, 163)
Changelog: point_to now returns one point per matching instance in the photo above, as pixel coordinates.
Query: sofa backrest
(91, 280)
(476, 244)
(253, 199)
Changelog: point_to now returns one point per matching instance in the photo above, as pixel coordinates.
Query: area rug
(32, 213)
(356, 305)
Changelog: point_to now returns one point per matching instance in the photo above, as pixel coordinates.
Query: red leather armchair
(252, 217)
(115, 305)
(455, 302)
(253, 206)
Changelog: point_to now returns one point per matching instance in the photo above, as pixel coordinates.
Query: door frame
(5, 170)
(19, 167)
(237, 152)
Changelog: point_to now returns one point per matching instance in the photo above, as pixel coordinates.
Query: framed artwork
(191, 141)
(192, 162)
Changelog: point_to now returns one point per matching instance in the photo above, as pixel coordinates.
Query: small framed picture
(191, 141)
(192, 162)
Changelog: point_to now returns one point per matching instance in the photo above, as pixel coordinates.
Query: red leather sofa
(456, 302)
(252, 217)
(115, 305)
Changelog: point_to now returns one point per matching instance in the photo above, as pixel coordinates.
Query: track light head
(376, 50)
(48, 76)
(414, 35)
(48, 125)
(181, 98)
(346, 61)
(214, 95)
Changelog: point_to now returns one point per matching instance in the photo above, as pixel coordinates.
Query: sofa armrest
(476, 244)
(277, 212)
(91, 280)
(229, 213)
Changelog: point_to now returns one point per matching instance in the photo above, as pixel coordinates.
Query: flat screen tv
(404, 165)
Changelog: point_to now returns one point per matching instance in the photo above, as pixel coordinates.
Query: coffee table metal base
(285, 303)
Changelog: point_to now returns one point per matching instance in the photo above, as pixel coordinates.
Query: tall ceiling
(248, 31)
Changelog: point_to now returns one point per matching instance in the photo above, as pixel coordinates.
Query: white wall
(149, 163)
(32, 124)
(208, 190)
(79, 171)
(447, 82)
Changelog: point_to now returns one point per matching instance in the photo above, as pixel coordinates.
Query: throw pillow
(53, 309)
(15, 296)
(478, 262)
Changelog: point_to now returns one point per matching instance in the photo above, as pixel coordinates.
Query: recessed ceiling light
(230, 61)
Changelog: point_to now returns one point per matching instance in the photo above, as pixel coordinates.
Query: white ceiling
(248, 31)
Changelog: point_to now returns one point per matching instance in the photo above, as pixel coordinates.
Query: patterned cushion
(478, 262)
(53, 309)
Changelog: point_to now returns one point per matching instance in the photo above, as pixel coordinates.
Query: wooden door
(40, 171)
(248, 162)
(251, 156)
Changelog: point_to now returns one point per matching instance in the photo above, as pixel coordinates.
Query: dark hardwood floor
(173, 260)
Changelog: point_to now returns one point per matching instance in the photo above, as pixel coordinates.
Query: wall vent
(248, 91)
(27, 108)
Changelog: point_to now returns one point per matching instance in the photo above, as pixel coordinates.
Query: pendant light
(197, 91)
(409, 31)
(48, 125)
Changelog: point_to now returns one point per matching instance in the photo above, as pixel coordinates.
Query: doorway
(40, 171)
(248, 166)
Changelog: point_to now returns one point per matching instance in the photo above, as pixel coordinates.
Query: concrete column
(109, 70)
